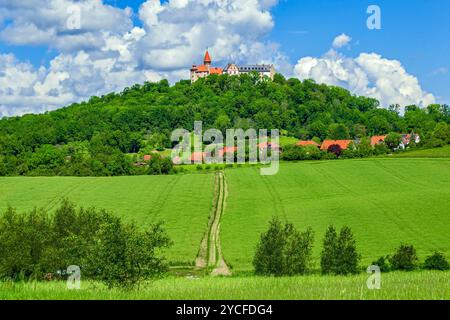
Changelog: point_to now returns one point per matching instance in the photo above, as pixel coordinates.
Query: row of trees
(284, 251)
(94, 137)
(37, 245)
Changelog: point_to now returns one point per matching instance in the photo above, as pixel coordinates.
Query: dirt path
(210, 253)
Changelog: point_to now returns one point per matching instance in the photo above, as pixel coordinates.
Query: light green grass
(443, 152)
(385, 201)
(415, 285)
(183, 202)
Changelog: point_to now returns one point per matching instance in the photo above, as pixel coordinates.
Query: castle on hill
(207, 69)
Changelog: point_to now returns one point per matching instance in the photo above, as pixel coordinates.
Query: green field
(443, 152)
(384, 201)
(182, 202)
(414, 285)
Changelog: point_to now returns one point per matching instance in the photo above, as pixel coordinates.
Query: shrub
(383, 263)
(437, 261)
(339, 254)
(283, 250)
(405, 258)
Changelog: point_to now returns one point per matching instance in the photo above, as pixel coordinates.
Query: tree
(347, 258)
(283, 250)
(405, 258)
(339, 255)
(393, 140)
(328, 257)
(338, 131)
(437, 261)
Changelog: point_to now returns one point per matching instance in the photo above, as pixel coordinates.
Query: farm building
(377, 140)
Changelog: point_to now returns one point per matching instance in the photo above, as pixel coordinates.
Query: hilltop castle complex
(206, 69)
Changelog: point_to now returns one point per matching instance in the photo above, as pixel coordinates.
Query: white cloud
(369, 74)
(341, 40)
(109, 53)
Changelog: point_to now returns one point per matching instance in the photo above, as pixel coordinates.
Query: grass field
(183, 202)
(385, 201)
(443, 152)
(414, 285)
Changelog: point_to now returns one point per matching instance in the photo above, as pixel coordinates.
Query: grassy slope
(415, 285)
(183, 202)
(384, 201)
(443, 152)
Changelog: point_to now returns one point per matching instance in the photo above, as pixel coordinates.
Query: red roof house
(343, 144)
(147, 157)
(377, 140)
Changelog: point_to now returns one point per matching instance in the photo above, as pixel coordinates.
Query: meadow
(180, 201)
(443, 152)
(386, 202)
(414, 285)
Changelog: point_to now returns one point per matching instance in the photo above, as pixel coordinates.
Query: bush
(383, 263)
(283, 250)
(437, 261)
(405, 258)
(339, 255)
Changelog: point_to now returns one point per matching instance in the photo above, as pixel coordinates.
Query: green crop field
(414, 285)
(386, 202)
(443, 152)
(182, 202)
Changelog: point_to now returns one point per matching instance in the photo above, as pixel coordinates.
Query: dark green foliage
(383, 263)
(93, 137)
(405, 258)
(393, 140)
(437, 261)
(35, 244)
(283, 250)
(339, 255)
(328, 257)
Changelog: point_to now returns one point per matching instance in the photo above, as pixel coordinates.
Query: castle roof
(207, 58)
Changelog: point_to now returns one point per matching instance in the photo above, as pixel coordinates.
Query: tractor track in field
(210, 253)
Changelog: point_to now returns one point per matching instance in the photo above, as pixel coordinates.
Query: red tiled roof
(341, 143)
(197, 156)
(265, 145)
(227, 150)
(377, 139)
(147, 157)
(202, 68)
(215, 70)
(303, 143)
(207, 58)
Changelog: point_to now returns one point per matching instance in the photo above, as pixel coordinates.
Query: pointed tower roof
(207, 58)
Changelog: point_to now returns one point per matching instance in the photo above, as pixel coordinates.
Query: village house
(206, 69)
(327, 145)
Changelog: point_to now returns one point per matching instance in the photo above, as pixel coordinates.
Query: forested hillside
(94, 137)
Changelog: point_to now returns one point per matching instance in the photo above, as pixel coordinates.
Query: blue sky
(411, 51)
